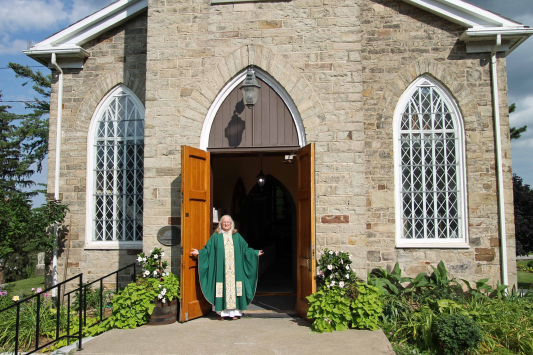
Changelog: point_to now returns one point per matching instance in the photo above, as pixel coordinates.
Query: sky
(30, 21)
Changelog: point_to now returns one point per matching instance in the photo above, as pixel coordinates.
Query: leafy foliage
(28, 313)
(334, 269)
(341, 301)
(133, 306)
(409, 317)
(153, 265)
(329, 309)
(24, 232)
(389, 282)
(456, 333)
(14, 168)
(34, 125)
(367, 308)
(516, 132)
(92, 298)
(523, 205)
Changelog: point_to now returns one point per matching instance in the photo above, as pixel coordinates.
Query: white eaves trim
(463, 13)
(67, 43)
(94, 25)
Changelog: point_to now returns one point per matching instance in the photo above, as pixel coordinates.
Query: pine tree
(15, 172)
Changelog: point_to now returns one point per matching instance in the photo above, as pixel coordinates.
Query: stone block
(485, 254)
(373, 256)
(335, 219)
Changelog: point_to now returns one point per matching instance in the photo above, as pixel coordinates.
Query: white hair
(219, 228)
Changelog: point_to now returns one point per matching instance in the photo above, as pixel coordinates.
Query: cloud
(521, 148)
(523, 116)
(48, 15)
(12, 47)
(26, 15)
(83, 8)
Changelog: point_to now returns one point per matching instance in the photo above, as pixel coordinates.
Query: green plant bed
(525, 279)
(24, 287)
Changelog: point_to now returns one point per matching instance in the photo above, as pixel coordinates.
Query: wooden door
(305, 228)
(195, 227)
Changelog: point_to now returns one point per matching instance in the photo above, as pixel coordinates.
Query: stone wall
(344, 63)
(311, 47)
(399, 43)
(117, 57)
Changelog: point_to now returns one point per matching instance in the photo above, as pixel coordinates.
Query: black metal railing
(81, 291)
(101, 291)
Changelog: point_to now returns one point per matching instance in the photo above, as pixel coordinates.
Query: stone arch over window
(429, 168)
(115, 169)
(107, 82)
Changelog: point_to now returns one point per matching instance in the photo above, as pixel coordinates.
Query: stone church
(378, 127)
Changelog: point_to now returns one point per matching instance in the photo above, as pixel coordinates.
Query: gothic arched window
(429, 168)
(115, 170)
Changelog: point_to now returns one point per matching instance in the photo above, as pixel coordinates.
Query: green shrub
(456, 333)
(334, 269)
(92, 299)
(507, 324)
(530, 263)
(28, 315)
(367, 308)
(329, 309)
(356, 306)
(133, 306)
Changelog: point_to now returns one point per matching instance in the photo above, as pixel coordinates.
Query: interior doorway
(265, 217)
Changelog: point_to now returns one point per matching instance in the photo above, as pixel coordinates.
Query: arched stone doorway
(273, 122)
(237, 143)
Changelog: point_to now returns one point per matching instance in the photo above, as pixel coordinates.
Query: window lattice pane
(118, 171)
(429, 168)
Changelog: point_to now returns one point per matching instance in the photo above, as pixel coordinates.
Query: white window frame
(90, 198)
(462, 241)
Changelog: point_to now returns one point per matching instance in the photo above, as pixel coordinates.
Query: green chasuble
(228, 271)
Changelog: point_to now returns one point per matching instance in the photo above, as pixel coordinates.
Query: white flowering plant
(153, 265)
(335, 269)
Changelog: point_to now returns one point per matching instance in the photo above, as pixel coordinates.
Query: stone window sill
(113, 245)
(432, 245)
(214, 2)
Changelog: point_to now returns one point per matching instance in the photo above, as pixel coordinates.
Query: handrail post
(85, 304)
(68, 315)
(38, 326)
(80, 323)
(101, 301)
(17, 324)
(58, 310)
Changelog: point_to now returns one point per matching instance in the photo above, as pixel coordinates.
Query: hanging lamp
(261, 178)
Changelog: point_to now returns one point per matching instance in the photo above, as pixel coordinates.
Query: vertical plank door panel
(305, 228)
(195, 231)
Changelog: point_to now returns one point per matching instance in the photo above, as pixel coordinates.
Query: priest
(227, 269)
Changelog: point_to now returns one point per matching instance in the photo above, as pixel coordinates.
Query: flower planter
(164, 313)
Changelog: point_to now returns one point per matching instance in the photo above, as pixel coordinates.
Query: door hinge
(313, 249)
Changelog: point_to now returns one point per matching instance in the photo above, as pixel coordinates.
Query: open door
(195, 227)
(305, 228)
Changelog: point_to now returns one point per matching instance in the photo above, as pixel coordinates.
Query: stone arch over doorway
(270, 66)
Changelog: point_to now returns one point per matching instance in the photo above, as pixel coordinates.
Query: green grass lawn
(23, 287)
(525, 279)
